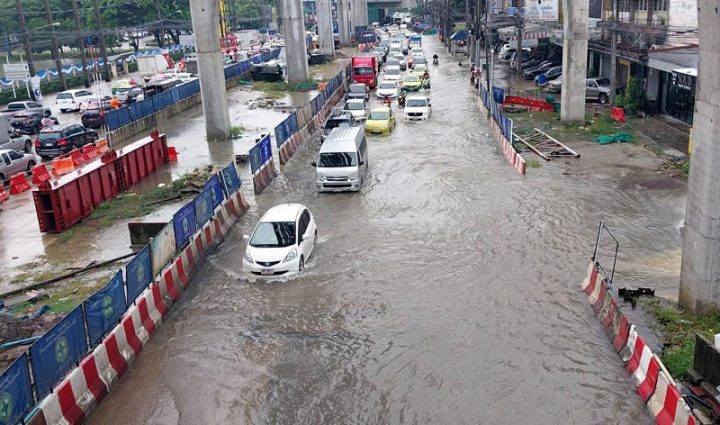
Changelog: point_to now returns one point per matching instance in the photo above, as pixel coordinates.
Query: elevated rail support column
(700, 273)
(323, 9)
(295, 49)
(575, 51)
(206, 27)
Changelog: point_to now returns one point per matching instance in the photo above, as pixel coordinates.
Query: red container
(60, 203)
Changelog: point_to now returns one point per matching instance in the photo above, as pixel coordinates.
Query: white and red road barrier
(76, 396)
(288, 149)
(263, 176)
(513, 157)
(652, 381)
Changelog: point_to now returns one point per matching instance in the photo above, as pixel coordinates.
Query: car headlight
(248, 257)
(290, 255)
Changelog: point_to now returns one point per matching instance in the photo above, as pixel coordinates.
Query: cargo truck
(364, 70)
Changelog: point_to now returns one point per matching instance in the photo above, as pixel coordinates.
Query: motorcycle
(435, 60)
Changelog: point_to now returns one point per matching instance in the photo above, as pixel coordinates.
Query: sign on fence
(15, 391)
(203, 207)
(138, 274)
(184, 224)
(104, 309)
(57, 351)
(230, 179)
(162, 248)
(260, 154)
(216, 189)
(286, 129)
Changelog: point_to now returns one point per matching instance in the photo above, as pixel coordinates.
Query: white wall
(682, 14)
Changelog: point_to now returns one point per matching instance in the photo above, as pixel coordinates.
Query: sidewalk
(664, 132)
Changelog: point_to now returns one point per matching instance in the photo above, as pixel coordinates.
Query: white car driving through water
(417, 107)
(281, 243)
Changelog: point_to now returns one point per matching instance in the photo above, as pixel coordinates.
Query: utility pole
(101, 40)
(518, 53)
(488, 38)
(700, 271)
(55, 52)
(81, 44)
(613, 54)
(26, 36)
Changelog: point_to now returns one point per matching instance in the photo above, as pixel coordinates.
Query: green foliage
(236, 131)
(45, 86)
(634, 99)
(686, 168)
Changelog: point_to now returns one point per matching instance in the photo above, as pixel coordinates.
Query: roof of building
(667, 59)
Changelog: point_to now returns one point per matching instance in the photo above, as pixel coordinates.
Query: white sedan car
(392, 73)
(358, 109)
(387, 88)
(281, 243)
(417, 107)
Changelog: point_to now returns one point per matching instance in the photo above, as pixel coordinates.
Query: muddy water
(447, 291)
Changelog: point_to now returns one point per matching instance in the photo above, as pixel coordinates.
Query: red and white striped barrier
(263, 176)
(664, 400)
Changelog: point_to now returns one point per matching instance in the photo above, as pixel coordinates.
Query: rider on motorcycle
(435, 59)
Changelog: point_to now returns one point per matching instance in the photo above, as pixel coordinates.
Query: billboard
(541, 10)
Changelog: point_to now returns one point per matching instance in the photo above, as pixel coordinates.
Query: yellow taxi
(411, 83)
(419, 70)
(380, 120)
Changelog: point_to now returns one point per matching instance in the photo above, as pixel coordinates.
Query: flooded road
(445, 292)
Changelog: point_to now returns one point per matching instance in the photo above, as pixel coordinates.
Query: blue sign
(260, 154)
(216, 189)
(231, 179)
(184, 223)
(104, 309)
(203, 207)
(255, 158)
(15, 391)
(265, 149)
(498, 94)
(138, 274)
(57, 351)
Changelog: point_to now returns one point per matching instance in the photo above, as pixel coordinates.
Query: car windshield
(50, 135)
(354, 106)
(357, 88)
(338, 159)
(411, 79)
(273, 235)
(363, 71)
(420, 61)
(392, 71)
(64, 96)
(330, 124)
(420, 68)
(379, 115)
(388, 85)
(415, 103)
(15, 106)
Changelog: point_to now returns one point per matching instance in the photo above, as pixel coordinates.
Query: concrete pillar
(295, 49)
(575, 49)
(206, 27)
(700, 273)
(360, 13)
(343, 18)
(323, 11)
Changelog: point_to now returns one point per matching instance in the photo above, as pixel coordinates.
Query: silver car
(17, 141)
(13, 162)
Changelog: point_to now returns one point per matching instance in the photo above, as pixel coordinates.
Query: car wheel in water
(301, 266)
(603, 98)
(31, 165)
(28, 147)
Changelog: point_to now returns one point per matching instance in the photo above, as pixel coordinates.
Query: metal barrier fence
(62, 347)
(505, 123)
(126, 115)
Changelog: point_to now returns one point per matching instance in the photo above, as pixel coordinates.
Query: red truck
(364, 70)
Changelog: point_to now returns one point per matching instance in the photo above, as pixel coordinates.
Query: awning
(459, 36)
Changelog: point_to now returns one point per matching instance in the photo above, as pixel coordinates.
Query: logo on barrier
(186, 224)
(203, 209)
(6, 407)
(107, 308)
(62, 349)
(140, 274)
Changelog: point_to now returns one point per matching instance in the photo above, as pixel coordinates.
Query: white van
(343, 161)
(70, 100)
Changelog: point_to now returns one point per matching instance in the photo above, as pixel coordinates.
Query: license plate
(266, 271)
(47, 145)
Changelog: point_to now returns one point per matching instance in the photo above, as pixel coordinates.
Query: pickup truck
(27, 105)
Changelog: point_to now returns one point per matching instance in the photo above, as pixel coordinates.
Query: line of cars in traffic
(287, 234)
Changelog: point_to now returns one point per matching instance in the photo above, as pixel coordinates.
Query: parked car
(60, 139)
(93, 118)
(13, 162)
(598, 89)
(417, 107)
(25, 106)
(548, 75)
(555, 86)
(281, 242)
(531, 73)
(29, 121)
(358, 91)
(16, 141)
(70, 100)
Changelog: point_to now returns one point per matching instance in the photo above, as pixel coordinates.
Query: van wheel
(301, 266)
(603, 98)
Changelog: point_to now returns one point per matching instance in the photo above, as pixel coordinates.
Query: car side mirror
(314, 164)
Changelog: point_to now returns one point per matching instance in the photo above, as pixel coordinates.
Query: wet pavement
(446, 291)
